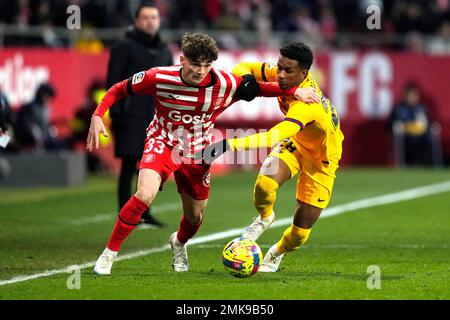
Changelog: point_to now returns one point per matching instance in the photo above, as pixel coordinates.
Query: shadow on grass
(282, 276)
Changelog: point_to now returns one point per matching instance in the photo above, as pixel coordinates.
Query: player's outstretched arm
(281, 131)
(268, 87)
(272, 89)
(140, 83)
(249, 88)
(114, 94)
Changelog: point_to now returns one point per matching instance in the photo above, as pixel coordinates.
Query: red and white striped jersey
(185, 114)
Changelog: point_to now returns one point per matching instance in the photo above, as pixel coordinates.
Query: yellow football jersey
(320, 139)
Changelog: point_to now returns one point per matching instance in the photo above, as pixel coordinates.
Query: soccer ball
(241, 257)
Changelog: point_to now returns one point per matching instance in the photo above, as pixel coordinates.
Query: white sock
(108, 251)
(268, 218)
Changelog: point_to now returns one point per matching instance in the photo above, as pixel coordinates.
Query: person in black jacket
(33, 128)
(5, 113)
(141, 49)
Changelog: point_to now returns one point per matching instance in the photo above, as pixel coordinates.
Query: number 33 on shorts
(156, 145)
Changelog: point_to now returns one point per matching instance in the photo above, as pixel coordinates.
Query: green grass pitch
(53, 228)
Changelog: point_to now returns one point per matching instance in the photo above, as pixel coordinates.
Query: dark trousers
(128, 171)
(418, 150)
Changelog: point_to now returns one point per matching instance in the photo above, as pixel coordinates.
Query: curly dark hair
(199, 47)
(298, 51)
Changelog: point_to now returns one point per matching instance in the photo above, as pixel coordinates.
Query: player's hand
(307, 95)
(96, 127)
(212, 152)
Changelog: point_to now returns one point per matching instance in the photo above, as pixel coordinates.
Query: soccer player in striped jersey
(309, 144)
(188, 98)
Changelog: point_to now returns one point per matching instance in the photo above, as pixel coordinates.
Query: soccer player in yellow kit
(309, 144)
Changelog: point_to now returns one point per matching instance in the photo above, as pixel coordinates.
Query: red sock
(186, 230)
(127, 220)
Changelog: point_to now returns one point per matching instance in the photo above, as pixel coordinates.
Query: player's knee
(265, 190)
(145, 196)
(295, 237)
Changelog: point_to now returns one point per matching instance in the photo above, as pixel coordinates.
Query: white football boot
(105, 261)
(180, 257)
(272, 260)
(258, 226)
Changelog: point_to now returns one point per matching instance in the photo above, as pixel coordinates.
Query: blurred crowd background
(388, 84)
(413, 25)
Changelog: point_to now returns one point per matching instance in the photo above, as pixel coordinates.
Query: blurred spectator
(141, 49)
(328, 25)
(281, 10)
(5, 114)
(88, 42)
(229, 20)
(213, 10)
(187, 14)
(324, 22)
(414, 141)
(81, 121)
(304, 22)
(32, 128)
(414, 42)
(413, 16)
(5, 121)
(441, 42)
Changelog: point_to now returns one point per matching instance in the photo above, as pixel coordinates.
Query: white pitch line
(400, 196)
(165, 207)
(336, 210)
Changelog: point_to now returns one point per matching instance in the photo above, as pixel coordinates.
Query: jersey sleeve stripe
(168, 77)
(207, 103)
(233, 88)
(130, 91)
(295, 121)
(175, 87)
(223, 84)
(176, 96)
(263, 74)
(170, 68)
(176, 106)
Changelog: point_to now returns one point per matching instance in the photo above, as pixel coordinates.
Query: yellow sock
(264, 195)
(293, 238)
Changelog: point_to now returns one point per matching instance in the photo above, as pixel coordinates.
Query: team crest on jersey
(149, 158)
(206, 179)
(218, 102)
(138, 77)
(271, 65)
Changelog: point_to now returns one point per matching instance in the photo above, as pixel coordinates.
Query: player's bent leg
(293, 237)
(306, 214)
(190, 223)
(128, 218)
(148, 185)
(274, 172)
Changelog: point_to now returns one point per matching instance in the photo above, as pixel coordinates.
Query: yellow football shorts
(314, 184)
